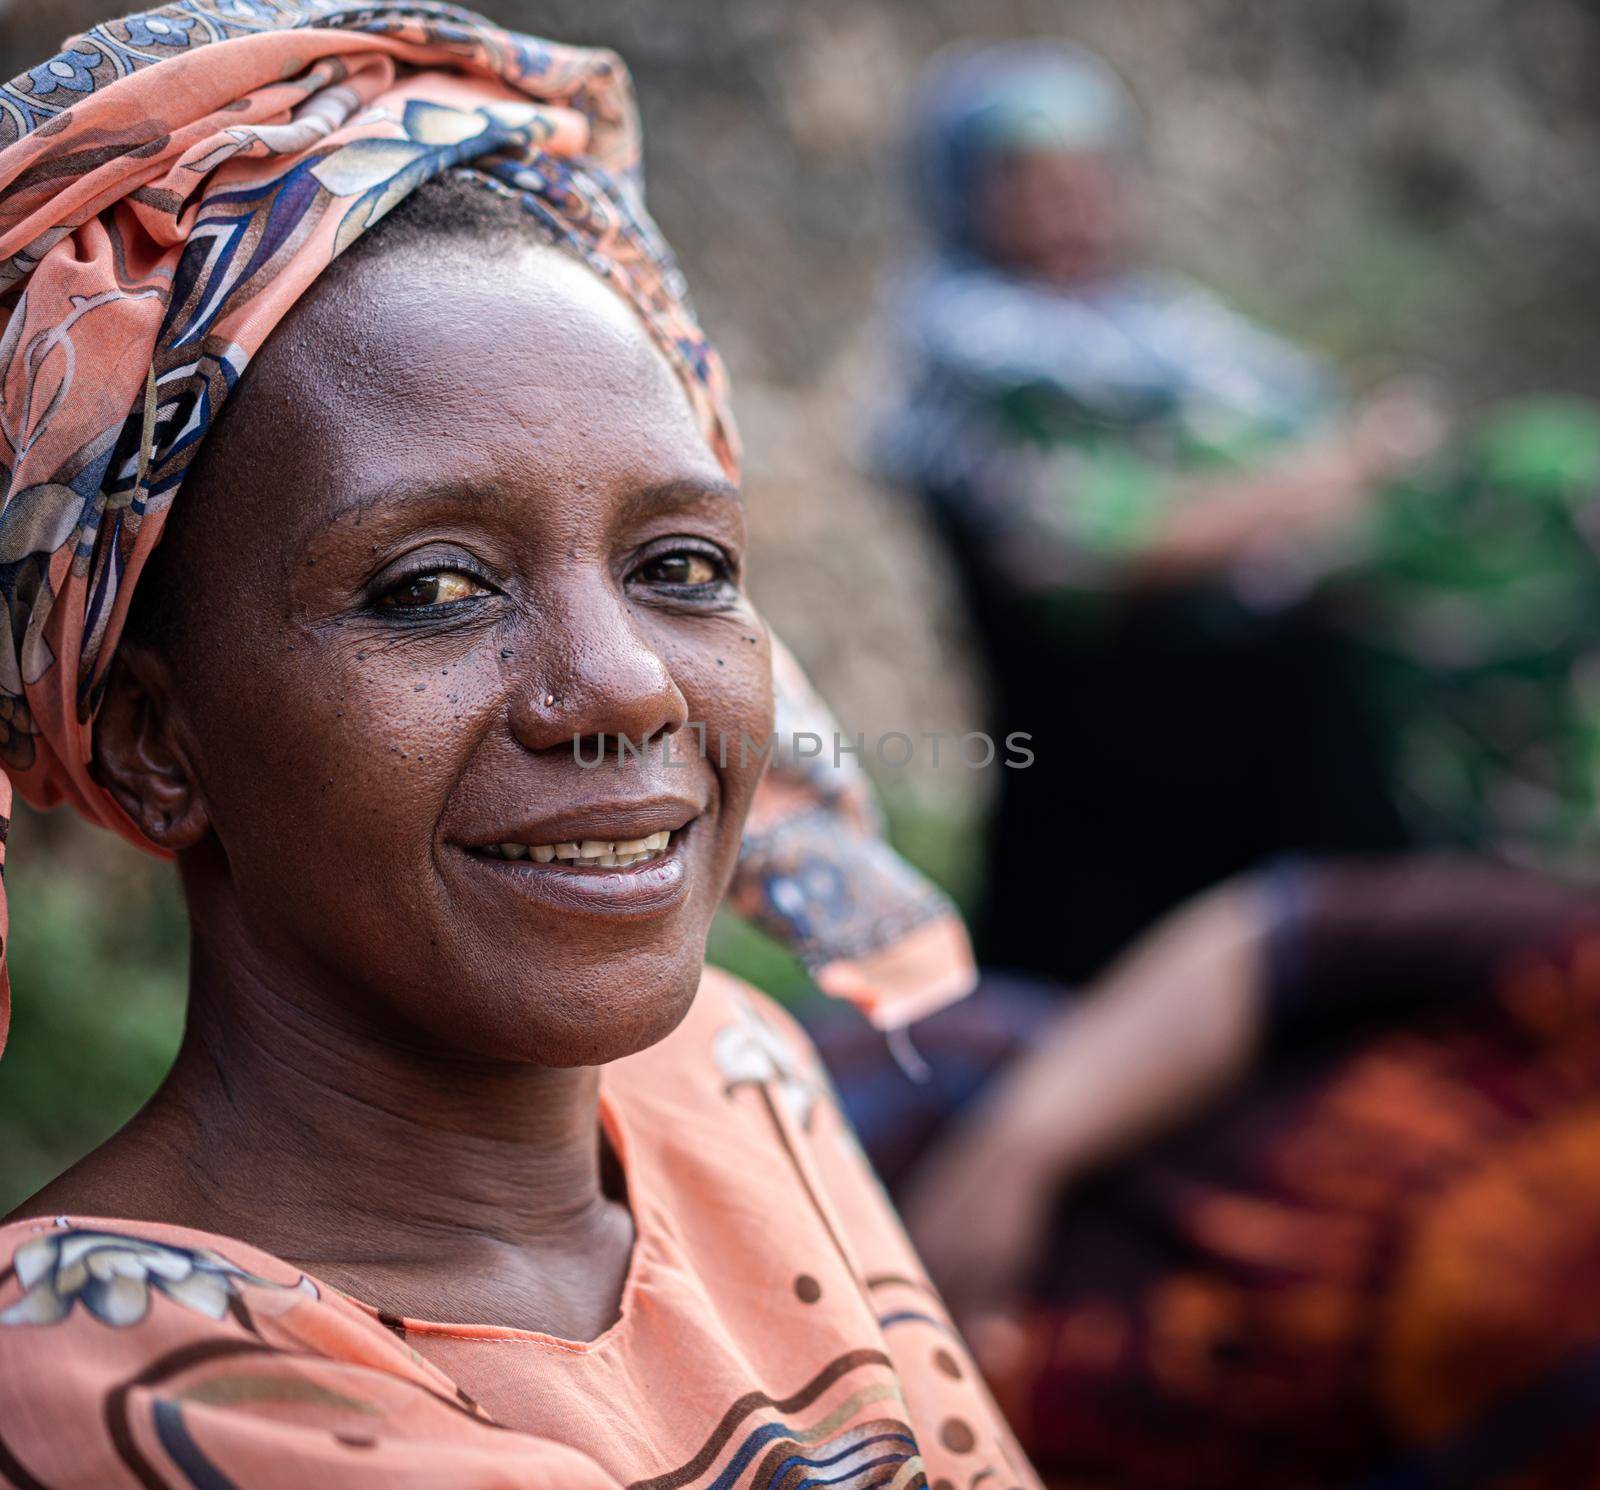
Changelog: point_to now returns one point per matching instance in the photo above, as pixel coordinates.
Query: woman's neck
(426, 1183)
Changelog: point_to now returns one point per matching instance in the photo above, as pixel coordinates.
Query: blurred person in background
(1305, 1190)
(1134, 482)
(1303, 1194)
(1294, 1194)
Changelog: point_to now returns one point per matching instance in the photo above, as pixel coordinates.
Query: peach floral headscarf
(170, 184)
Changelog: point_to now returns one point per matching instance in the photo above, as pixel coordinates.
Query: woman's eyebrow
(685, 491)
(402, 500)
(403, 494)
(679, 492)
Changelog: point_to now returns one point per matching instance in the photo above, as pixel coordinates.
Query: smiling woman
(468, 557)
(468, 1171)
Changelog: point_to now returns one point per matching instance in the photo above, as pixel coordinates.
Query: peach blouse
(775, 1328)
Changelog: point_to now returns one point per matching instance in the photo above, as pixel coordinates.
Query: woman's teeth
(591, 853)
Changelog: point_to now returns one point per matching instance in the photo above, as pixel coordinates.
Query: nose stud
(549, 700)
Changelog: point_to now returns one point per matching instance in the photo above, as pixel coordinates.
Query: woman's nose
(595, 673)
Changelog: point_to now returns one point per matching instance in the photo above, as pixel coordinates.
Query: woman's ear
(139, 757)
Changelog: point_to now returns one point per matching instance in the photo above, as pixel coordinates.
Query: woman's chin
(606, 1014)
(615, 1033)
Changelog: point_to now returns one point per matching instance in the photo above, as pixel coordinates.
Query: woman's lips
(652, 881)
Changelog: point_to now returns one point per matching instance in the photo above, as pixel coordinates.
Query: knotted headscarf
(170, 185)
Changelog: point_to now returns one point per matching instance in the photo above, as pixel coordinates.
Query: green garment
(1476, 608)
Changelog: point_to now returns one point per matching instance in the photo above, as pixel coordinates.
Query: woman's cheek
(724, 669)
(733, 698)
(400, 708)
(362, 761)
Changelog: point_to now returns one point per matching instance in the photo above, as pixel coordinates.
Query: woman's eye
(437, 587)
(682, 570)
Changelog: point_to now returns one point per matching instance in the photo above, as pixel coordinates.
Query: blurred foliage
(938, 835)
(97, 953)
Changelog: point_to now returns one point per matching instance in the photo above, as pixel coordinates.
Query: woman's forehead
(469, 361)
(484, 325)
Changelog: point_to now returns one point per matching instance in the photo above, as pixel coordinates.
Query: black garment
(1179, 739)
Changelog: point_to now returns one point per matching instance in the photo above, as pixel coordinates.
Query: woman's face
(453, 523)
(1059, 216)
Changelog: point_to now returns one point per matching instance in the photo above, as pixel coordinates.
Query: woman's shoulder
(732, 1033)
(81, 1291)
(723, 996)
(704, 1100)
(70, 1279)
(136, 1353)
